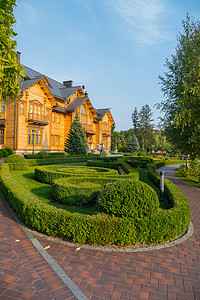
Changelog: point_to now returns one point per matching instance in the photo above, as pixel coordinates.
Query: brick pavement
(169, 273)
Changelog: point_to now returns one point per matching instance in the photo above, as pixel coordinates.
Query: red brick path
(169, 273)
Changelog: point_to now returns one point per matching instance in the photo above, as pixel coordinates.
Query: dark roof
(56, 88)
(59, 109)
(101, 112)
(28, 83)
(76, 104)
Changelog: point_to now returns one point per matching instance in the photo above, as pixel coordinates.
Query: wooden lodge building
(43, 115)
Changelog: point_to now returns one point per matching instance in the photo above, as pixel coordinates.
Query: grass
(43, 191)
(187, 180)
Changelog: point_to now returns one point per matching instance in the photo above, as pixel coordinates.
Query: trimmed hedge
(129, 198)
(99, 229)
(62, 160)
(16, 162)
(72, 193)
(48, 175)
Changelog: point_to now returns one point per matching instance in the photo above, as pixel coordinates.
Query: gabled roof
(75, 104)
(56, 88)
(28, 83)
(101, 112)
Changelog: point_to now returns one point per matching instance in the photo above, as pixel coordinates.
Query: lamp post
(33, 138)
(162, 182)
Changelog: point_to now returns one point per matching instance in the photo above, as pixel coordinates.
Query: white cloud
(143, 20)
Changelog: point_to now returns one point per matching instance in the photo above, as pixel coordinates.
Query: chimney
(18, 55)
(68, 83)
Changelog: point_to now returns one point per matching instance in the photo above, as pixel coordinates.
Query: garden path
(168, 273)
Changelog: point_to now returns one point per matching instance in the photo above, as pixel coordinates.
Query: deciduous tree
(181, 88)
(10, 69)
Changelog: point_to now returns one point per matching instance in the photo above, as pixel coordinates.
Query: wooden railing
(2, 115)
(87, 127)
(106, 131)
(37, 117)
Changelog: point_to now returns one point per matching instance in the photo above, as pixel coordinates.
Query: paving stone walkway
(169, 273)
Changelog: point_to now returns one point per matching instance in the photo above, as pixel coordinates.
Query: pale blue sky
(116, 48)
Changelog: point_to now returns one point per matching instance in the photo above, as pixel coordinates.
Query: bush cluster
(16, 162)
(4, 152)
(102, 229)
(44, 154)
(72, 193)
(129, 199)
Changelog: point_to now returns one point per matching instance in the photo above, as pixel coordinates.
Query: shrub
(142, 153)
(9, 150)
(75, 194)
(129, 198)
(16, 162)
(101, 229)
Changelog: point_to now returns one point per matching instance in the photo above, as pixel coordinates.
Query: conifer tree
(133, 144)
(76, 142)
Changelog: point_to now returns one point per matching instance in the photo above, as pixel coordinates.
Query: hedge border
(100, 229)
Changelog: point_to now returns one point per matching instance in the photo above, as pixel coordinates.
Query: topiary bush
(129, 199)
(16, 162)
(9, 150)
(75, 194)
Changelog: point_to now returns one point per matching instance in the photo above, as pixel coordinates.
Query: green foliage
(76, 142)
(129, 199)
(101, 229)
(44, 155)
(62, 160)
(10, 68)
(133, 144)
(192, 173)
(180, 86)
(143, 127)
(72, 193)
(8, 150)
(16, 162)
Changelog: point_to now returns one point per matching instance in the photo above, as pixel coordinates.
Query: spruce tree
(133, 144)
(76, 142)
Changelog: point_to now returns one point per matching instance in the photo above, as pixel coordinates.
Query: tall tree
(181, 89)
(135, 120)
(133, 144)
(10, 69)
(76, 142)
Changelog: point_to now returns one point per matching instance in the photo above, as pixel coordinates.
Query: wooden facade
(41, 119)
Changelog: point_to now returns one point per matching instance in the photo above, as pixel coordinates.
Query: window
(89, 121)
(74, 95)
(57, 141)
(3, 106)
(1, 136)
(35, 137)
(22, 108)
(35, 109)
(47, 112)
(53, 117)
(83, 110)
(58, 118)
(53, 140)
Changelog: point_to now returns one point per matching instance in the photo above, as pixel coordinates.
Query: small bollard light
(162, 177)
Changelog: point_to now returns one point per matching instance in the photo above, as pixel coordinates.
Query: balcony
(2, 115)
(106, 131)
(37, 119)
(88, 128)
